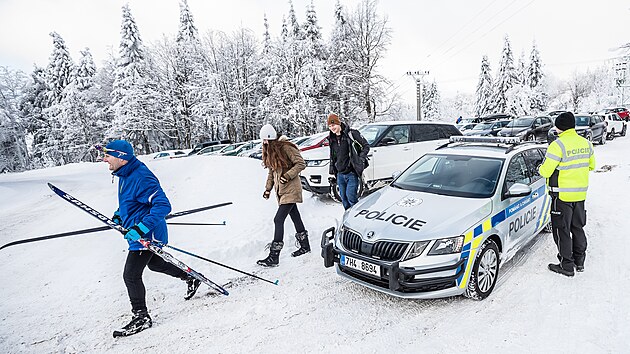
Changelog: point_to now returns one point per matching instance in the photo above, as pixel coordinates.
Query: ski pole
(196, 224)
(103, 228)
(217, 263)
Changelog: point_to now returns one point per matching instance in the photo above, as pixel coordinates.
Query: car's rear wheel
(485, 272)
(602, 139)
(589, 137)
(611, 135)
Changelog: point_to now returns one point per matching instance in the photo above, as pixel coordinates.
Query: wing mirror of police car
(395, 174)
(518, 190)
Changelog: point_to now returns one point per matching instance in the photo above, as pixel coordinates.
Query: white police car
(444, 226)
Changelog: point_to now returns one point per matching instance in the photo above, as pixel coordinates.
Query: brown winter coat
(290, 192)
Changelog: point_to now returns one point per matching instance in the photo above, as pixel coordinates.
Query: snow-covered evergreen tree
(60, 71)
(483, 95)
(505, 79)
(131, 92)
(85, 70)
(431, 102)
(536, 80)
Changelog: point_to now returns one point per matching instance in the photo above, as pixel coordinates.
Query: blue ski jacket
(142, 200)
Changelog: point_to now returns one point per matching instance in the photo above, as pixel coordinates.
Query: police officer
(566, 166)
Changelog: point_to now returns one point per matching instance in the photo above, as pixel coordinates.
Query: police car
(445, 225)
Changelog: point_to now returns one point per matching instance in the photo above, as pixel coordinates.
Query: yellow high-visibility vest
(566, 166)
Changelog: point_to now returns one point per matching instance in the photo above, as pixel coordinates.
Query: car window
(520, 123)
(398, 134)
(460, 176)
(424, 132)
(517, 172)
(372, 132)
(445, 131)
(533, 159)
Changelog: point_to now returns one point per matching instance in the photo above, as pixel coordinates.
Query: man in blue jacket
(142, 206)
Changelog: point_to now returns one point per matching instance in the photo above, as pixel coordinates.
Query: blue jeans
(348, 185)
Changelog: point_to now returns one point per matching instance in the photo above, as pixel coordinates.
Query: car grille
(383, 250)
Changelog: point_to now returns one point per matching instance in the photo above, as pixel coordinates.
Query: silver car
(445, 225)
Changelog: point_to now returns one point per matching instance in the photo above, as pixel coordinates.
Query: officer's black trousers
(134, 266)
(568, 220)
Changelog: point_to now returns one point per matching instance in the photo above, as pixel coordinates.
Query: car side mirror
(518, 190)
(395, 174)
(387, 141)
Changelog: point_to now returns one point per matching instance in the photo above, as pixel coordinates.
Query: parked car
(247, 152)
(614, 124)
(315, 141)
(393, 147)
(591, 127)
(528, 128)
(299, 140)
(200, 146)
(169, 154)
(408, 240)
(621, 111)
(554, 114)
(244, 146)
(491, 128)
(465, 126)
(212, 149)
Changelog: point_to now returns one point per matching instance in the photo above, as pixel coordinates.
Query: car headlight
(447, 246)
(416, 249)
(316, 163)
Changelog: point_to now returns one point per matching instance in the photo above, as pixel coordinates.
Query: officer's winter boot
(193, 285)
(139, 322)
(274, 255)
(302, 243)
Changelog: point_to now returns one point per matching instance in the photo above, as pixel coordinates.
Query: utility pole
(621, 67)
(418, 76)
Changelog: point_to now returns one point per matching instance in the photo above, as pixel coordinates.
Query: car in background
(487, 128)
(554, 114)
(315, 141)
(446, 224)
(465, 126)
(614, 124)
(591, 127)
(394, 145)
(528, 128)
(257, 147)
(169, 154)
(240, 147)
(621, 111)
(200, 146)
(212, 149)
(300, 139)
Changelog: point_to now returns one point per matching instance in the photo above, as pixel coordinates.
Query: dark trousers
(281, 215)
(134, 266)
(568, 220)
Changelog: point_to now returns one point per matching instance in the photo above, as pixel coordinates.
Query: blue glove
(116, 218)
(136, 232)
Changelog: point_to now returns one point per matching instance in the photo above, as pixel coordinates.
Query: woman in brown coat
(284, 161)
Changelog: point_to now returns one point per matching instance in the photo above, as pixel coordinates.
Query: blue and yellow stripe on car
(473, 238)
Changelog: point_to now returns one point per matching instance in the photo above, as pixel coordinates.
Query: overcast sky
(447, 38)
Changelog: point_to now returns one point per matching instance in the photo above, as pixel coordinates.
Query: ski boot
(139, 322)
(193, 285)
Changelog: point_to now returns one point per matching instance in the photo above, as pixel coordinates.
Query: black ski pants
(281, 215)
(568, 220)
(134, 266)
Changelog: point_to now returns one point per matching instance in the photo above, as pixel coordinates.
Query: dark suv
(591, 127)
(528, 128)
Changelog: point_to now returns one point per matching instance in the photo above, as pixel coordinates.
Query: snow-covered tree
(431, 102)
(60, 71)
(483, 95)
(13, 149)
(536, 81)
(505, 79)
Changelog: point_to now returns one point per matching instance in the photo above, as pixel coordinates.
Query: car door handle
(406, 148)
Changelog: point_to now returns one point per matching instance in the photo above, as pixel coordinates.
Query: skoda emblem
(370, 235)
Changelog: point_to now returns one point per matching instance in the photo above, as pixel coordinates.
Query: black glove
(266, 194)
(332, 180)
(116, 218)
(284, 179)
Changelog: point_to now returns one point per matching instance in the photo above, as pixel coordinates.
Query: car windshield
(520, 123)
(483, 126)
(372, 132)
(314, 139)
(452, 175)
(582, 121)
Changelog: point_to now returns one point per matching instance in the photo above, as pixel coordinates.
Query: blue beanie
(124, 150)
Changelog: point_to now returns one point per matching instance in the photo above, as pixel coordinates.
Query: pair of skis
(155, 248)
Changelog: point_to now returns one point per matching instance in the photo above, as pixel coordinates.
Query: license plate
(363, 266)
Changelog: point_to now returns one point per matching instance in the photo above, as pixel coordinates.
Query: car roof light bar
(485, 139)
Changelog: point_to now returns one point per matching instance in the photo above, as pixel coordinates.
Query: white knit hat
(268, 133)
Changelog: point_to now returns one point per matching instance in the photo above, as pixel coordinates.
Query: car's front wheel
(611, 135)
(623, 131)
(485, 272)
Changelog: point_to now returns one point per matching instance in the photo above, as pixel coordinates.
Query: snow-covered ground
(67, 295)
